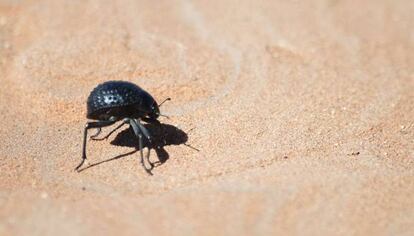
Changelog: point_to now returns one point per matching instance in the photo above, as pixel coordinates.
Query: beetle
(113, 101)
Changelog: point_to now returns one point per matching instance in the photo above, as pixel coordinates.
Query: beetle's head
(154, 111)
(149, 106)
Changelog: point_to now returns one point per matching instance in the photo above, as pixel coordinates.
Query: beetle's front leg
(139, 131)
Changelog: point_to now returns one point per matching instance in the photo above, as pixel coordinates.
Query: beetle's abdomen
(112, 94)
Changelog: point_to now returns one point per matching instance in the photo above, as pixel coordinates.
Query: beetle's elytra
(120, 99)
(113, 101)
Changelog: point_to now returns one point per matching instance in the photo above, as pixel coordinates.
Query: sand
(302, 112)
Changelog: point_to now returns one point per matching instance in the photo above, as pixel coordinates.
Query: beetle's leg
(98, 131)
(109, 134)
(148, 136)
(141, 149)
(143, 130)
(138, 133)
(90, 125)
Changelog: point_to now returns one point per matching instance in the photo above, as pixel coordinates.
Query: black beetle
(113, 101)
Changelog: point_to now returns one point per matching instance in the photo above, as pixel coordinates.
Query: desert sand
(301, 111)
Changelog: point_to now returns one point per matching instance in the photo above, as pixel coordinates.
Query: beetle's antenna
(164, 116)
(167, 99)
(188, 145)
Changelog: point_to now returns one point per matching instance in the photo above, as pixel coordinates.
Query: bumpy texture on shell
(113, 94)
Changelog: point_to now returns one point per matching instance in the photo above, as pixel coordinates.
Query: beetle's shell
(115, 96)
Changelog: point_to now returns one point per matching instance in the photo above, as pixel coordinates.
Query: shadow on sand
(162, 135)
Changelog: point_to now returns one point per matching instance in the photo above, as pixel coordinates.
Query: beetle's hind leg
(91, 125)
(93, 137)
(98, 131)
(139, 131)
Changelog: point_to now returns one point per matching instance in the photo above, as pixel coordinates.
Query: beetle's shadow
(162, 135)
